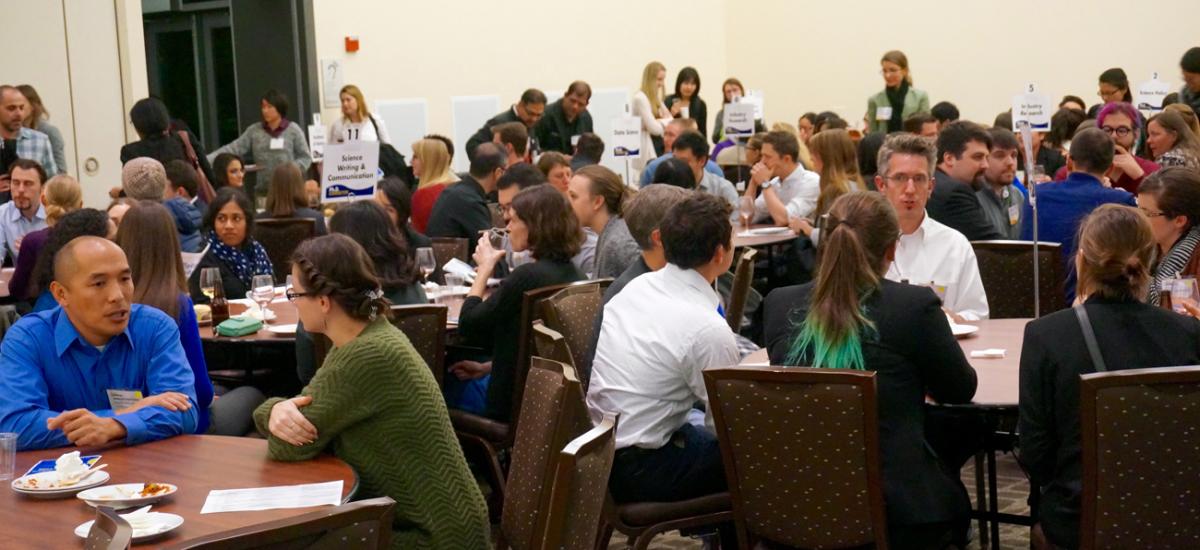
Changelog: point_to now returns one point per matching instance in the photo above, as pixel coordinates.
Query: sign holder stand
(1031, 186)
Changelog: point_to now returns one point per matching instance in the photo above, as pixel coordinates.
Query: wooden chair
(365, 524)
(549, 344)
(580, 486)
(109, 532)
(1006, 269)
(828, 496)
(572, 312)
(1139, 431)
(547, 424)
(425, 326)
(280, 237)
(447, 248)
(743, 275)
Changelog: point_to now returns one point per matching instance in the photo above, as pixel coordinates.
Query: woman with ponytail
(1116, 248)
(598, 196)
(850, 317)
(60, 195)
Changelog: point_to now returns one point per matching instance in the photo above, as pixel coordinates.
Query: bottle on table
(219, 305)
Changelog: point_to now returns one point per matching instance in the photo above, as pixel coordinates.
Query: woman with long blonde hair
(60, 195)
(431, 167)
(356, 123)
(648, 106)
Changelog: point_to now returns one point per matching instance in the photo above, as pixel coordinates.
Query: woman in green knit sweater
(375, 404)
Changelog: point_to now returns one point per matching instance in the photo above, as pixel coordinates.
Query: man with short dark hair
(944, 113)
(97, 368)
(17, 141)
(922, 124)
(692, 148)
(24, 213)
(588, 151)
(1189, 64)
(528, 111)
(178, 198)
(565, 120)
(461, 210)
(962, 149)
(514, 138)
(788, 189)
(657, 337)
(674, 129)
(1062, 205)
(1002, 202)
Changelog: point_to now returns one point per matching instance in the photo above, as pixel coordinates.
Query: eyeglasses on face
(1120, 131)
(292, 295)
(916, 179)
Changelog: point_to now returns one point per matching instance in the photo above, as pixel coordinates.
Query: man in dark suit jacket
(527, 111)
(461, 210)
(565, 119)
(962, 158)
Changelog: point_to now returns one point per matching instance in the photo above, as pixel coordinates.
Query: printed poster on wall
(350, 171)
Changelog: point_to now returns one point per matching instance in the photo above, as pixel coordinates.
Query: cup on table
(454, 282)
(1182, 290)
(1039, 174)
(8, 455)
(685, 112)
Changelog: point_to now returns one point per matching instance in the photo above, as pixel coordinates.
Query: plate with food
(69, 476)
(146, 525)
(203, 314)
(127, 495)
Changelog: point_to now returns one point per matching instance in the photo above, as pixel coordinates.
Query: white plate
(762, 231)
(48, 484)
(962, 331)
(283, 330)
(162, 524)
(124, 495)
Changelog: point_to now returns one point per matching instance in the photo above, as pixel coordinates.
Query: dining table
(196, 464)
(761, 235)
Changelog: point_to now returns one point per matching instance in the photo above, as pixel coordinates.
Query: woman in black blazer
(1115, 251)
(851, 317)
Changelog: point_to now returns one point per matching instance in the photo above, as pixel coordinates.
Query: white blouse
(653, 124)
(342, 130)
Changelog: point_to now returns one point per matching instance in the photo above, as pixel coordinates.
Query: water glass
(498, 237)
(454, 282)
(1182, 290)
(8, 455)
(263, 291)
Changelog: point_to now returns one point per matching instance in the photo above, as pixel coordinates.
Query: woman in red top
(431, 167)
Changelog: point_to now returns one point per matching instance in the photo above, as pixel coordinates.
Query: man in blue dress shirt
(95, 369)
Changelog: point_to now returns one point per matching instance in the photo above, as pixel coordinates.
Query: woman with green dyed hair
(850, 317)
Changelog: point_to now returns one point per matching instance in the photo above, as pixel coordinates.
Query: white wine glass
(746, 209)
(210, 278)
(426, 262)
(263, 291)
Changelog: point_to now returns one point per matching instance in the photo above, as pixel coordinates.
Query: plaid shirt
(34, 145)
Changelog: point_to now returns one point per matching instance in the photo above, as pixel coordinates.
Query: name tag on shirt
(883, 113)
(122, 399)
(277, 143)
(1014, 214)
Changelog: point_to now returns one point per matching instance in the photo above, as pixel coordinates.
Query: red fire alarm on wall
(351, 44)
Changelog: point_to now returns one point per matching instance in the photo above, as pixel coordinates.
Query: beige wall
(803, 55)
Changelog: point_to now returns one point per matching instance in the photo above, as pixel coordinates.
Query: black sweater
(495, 324)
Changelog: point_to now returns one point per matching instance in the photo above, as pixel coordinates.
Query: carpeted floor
(1012, 487)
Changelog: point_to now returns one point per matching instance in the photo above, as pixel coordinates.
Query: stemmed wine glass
(426, 262)
(210, 277)
(263, 291)
(746, 209)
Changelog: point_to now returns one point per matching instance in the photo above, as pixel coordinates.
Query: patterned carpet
(1012, 489)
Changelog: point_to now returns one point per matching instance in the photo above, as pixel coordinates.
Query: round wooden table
(998, 378)
(195, 463)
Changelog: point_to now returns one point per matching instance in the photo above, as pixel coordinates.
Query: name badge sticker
(276, 143)
(883, 113)
(122, 399)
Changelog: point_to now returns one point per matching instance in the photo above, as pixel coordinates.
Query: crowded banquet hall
(261, 288)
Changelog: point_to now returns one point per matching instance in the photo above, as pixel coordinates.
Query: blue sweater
(188, 220)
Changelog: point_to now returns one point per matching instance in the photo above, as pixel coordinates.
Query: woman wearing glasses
(898, 100)
(1123, 123)
(1171, 199)
(375, 404)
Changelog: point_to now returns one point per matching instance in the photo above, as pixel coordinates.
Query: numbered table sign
(739, 119)
(1150, 95)
(350, 171)
(1032, 107)
(316, 142)
(627, 136)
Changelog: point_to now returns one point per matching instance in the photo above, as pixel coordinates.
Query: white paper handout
(271, 498)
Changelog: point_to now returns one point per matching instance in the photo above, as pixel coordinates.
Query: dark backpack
(391, 161)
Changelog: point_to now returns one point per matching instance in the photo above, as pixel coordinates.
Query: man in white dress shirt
(929, 253)
(789, 189)
(657, 337)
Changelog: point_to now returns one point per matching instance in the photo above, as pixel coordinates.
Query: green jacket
(377, 407)
(916, 101)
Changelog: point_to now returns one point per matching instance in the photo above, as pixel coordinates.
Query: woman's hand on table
(800, 226)
(289, 424)
(1191, 308)
(470, 370)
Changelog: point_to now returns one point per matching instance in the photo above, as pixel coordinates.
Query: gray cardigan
(56, 144)
(254, 145)
(615, 250)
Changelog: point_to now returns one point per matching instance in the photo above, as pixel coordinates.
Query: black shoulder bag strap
(1089, 337)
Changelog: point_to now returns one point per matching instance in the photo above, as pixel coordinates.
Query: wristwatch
(771, 183)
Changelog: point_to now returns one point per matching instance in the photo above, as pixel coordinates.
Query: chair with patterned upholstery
(365, 524)
(280, 237)
(1141, 459)
(484, 439)
(109, 532)
(549, 344)
(448, 248)
(548, 421)
(425, 327)
(743, 275)
(572, 313)
(1006, 269)
(822, 489)
(580, 486)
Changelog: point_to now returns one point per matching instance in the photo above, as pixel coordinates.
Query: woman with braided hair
(375, 404)
(850, 317)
